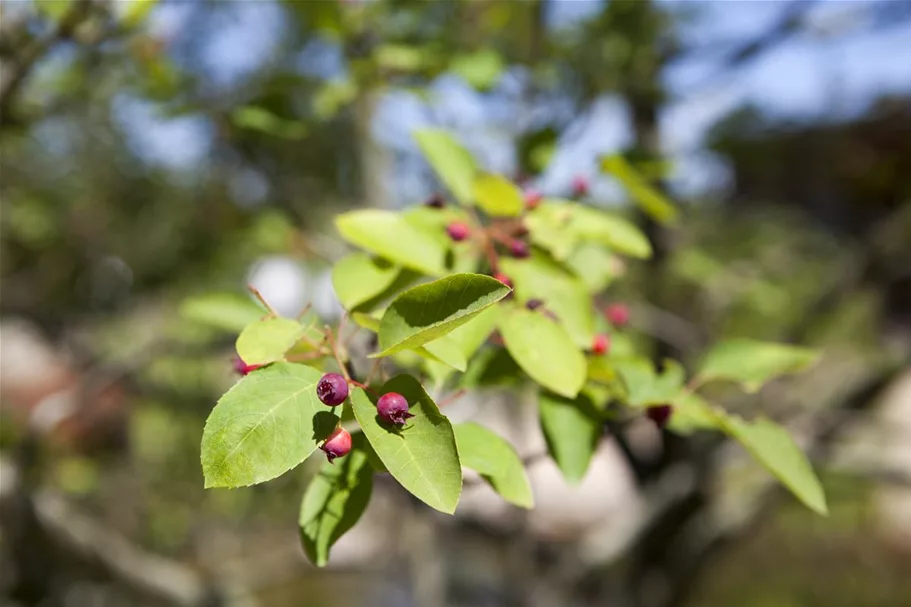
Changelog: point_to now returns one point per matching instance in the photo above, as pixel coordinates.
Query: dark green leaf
(493, 458)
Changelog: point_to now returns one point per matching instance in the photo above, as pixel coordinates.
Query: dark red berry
(332, 389)
(617, 314)
(534, 304)
(660, 414)
(601, 344)
(337, 445)
(580, 186)
(393, 408)
(458, 231)
(436, 201)
(519, 249)
(243, 368)
(503, 278)
(533, 199)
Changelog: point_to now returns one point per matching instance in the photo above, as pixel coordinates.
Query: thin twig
(262, 300)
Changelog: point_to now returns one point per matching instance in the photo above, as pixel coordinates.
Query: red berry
(519, 249)
(332, 389)
(601, 344)
(458, 231)
(393, 408)
(660, 414)
(337, 445)
(243, 368)
(534, 304)
(503, 278)
(617, 314)
(436, 201)
(533, 198)
(580, 186)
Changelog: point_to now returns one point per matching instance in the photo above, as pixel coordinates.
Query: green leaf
(447, 351)
(137, 11)
(558, 225)
(428, 311)
(55, 10)
(644, 387)
(562, 293)
(452, 163)
(774, 448)
(494, 459)
(389, 235)
(334, 501)
(481, 69)
(497, 196)
(422, 455)
(267, 340)
(491, 367)
(594, 265)
(267, 424)
(264, 121)
(544, 350)
(358, 278)
(648, 198)
(548, 227)
(753, 363)
(227, 311)
(692, 413)
(572, 429)
(472, 335)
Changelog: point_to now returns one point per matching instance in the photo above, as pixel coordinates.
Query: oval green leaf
(389, 235)
(428, 311)
(267, 424)
(544, 350)
(452, 163)
(572, 429)
(358, 278)
(647, 197)
(334, 501)
(267, 340)
(227, 311)
(422, 455)
(498, 196)
(753, 363)
(496, 461)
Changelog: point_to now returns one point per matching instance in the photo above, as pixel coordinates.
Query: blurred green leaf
(692, 413)
(593, 265)
(227, 311)
(753, 363)
(422, 455)
(452, 163)
(557, 225)
(357, 278)
(267, 340)
(647, 197)
(267, 424)
(481, 69)
(389, 235)
(497, 196)
(332, 97)
(260, 119)
(447, 351)
(496, 461)
(572, 429)
(644, 387)
(136, 12)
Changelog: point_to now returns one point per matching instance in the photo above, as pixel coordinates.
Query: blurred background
(157, 157)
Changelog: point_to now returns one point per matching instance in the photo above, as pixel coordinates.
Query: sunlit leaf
(753, 363)
(481, 69)
(452, 163)
(498, 463)
(644, 194)
(358, 278)
(497, 196)
(389, 235)
(267, 340)
(227, 311)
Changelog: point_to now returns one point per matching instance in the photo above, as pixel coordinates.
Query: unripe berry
(332, 389)
(532, 199)
(436, 201)
(580, 186)
(601, 344)
(660, 414)
(617, 314)
(519, 249)
(337, 445)
(503, 278)
(243, 368)
(458, 231)
(393, 408)
(533, 304)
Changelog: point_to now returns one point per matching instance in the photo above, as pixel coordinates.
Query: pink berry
(243, 368)
(533, 199)
(617, 314)
(601, 344)
(660, 414)
(458, 231)
(503, 278)
(337, 445)
(580, 186)
(332, 389)
(393, 408)
(519, 249)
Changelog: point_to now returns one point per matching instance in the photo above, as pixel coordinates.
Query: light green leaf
(452, 163)
(594, 265)
(493, 458)
(691, 413)
(650, 199)
(334, 501)
(389, 235)
(55, 10)
(472, 335)
(267, 340)
(562, 293)
(428, 311)
(753, 363)
(137, 11)
(774, 448)
(481, 69)
(571, 428)
(558, 225)
(422, 455)
(644, 387)
(549, 228)
(227, 311)
(400, 57)
(544, 350)
(498, 196)
(447, 351)
(267, 424)
(357, 278)
(264, 121)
